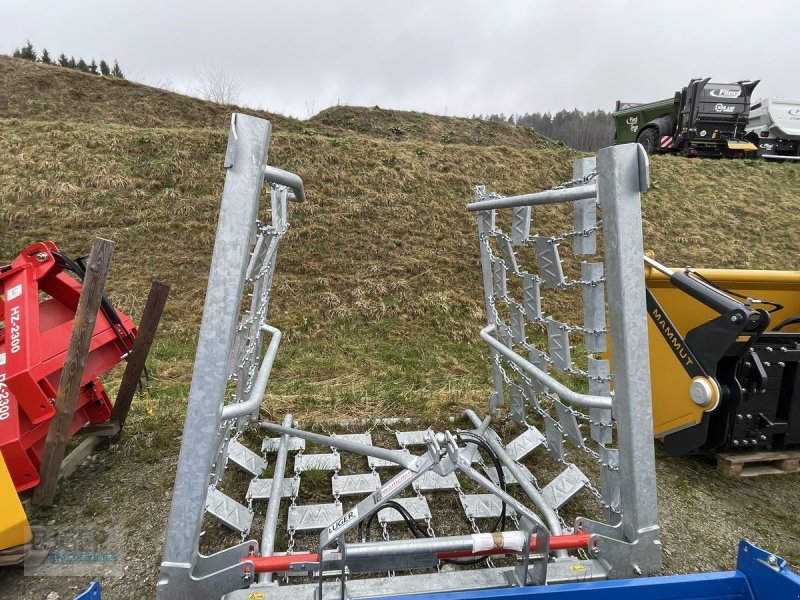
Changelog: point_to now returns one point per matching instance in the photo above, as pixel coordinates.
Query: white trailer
(774, 126)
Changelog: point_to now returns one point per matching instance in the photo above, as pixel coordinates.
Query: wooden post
(141, 348)
(72, 373)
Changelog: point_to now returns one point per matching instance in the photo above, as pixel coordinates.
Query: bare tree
(216, 85)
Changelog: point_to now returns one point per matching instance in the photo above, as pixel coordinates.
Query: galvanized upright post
(182, 575)
(622, 176)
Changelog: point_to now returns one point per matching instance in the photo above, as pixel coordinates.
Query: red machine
(39, 294)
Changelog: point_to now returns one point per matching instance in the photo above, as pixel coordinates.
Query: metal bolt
(735, 318)
(739, 417)
(754, 441)
(745, 443)
(637, 569)
(748, 364)
(41, 256)
(768, 348)
(772, 560)
(749, 416)
(595, 550)
(735, 442)
(781, 364)
(763, 438)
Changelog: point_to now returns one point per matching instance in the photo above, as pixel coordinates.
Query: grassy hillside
(378, 283)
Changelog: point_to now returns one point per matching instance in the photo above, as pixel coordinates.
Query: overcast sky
(456, 57)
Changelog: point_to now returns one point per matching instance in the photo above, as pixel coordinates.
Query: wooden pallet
(752, 464)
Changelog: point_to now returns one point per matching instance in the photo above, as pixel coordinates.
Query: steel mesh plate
(317, 462)
(313, 516)
(228, 511)
(483, 506)
(354, 485)
(260, 489)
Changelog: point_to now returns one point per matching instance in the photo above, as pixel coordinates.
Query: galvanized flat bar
(517, 323)
(569, 424)
(549, 262)
(313, 517)
(483, 506)
(555, 440)
(610, 479)
(417, 506)
(411, 438)
(491, 473)
(433, 482)
(584, 212)
(532, 297)
(272, 444)
(568, 483)
(516, 404)
(359, 438)
(228, 511)
(508, 254)
(382, 463)
(475, 581)
(260, 489)
(594, 307)
(520, 224)
(245, 458)
(499, 278)
(317, 462)
(525, 443)
(355, 485)
(558, 345)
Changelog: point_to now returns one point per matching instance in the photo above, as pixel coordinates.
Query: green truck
(702, 119)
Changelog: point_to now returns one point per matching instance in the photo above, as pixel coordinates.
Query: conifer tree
(46, 60)
(116, 71)
(82, 66)
(93, 68)
(71, 63)
(27, 52)
(104, 70)
(63, 61)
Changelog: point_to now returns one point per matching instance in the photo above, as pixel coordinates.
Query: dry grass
(378, 284)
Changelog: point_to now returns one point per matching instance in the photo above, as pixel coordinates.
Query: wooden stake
(72, 373)
(141, 348)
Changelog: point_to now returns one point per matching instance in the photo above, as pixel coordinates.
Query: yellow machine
(15, 533)
(724, 354)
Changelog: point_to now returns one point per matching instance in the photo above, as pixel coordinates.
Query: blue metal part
(759, 575)
(91, 593)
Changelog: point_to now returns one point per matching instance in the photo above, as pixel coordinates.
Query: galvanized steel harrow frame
(227, 368)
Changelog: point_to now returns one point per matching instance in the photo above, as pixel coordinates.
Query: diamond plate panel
(594, 307)
(524, 444)
(600, 385)
(483, 506)
(508, 254)
(317, 462)
(381, 463)
(569, 424)
(491, 473)
(584, 217)
(499, 282)
(410, 438)
(558, 345)
(549, 262)
(555, 441)
(610, 479)
(532, 297)
(355, 485)
(520, 224)
(313, 516)
(228, 511)
(517, 323)
(260, 489)
(359, 438)
(433, 482)
(486, 219)
(539, 360)
(417, 506)
(245, 458)
(272, 444)
(516, 404)
(559, 491)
